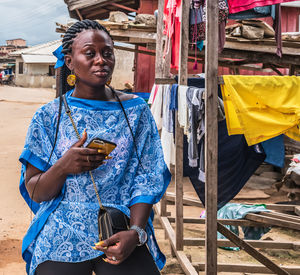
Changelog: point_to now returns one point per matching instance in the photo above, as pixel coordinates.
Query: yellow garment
(262, 107)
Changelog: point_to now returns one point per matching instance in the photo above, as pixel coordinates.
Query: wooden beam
(255, 243)
(273, 221)
(222, 221)
(284, 217)
(251, 250)
(122, 48)
(248, 268)
(182, 80)
(181, 257)
(159, 41)
(79, 14)
(211, 133)
(123, 7)
(297, 210)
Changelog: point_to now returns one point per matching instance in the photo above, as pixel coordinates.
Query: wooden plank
(255, 243)
(251, 250)
(123, 7)
(79, 14)
(133, 50)
(162, 81)
(159, 41)
(182, 80)
(211, 133)
(281, 216)
(222, 221)
(273, 221)
(181, 257)
(247, 268)
(278, 207)
(186, 200)
(297, 210)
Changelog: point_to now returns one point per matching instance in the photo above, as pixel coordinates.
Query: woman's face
(92, 58)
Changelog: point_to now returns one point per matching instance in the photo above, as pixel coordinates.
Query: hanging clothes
(262, 107)
(197, 31)
(236, 164)
(275, 151)
(172, 23)
(160, 109)
(257, 12)
(243, 5)
(182, 108)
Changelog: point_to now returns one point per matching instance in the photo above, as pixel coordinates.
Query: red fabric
(172, 22)
(242, 5)
(155, 92)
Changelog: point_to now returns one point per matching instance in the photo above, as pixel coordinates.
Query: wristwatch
(141, 234)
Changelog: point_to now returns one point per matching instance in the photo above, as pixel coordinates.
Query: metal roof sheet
(41, 49)
(42, 59)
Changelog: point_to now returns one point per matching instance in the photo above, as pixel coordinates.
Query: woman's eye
(89, 53)
(107, 53)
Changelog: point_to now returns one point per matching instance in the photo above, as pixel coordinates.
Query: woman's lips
(101, 73)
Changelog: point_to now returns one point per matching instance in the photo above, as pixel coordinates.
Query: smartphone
(98, 143)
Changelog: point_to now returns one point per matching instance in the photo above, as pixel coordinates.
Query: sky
(32, 20)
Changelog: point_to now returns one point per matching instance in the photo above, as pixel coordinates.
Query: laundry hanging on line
(262, 107)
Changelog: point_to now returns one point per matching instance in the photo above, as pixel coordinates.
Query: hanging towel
(262, 107)
(236, 164)
(156, 107)
(182, 108)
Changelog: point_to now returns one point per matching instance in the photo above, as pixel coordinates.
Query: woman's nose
(99, 59)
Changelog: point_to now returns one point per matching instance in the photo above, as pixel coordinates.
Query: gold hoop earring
(71, 79)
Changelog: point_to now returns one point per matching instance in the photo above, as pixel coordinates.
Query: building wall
(34, 75)
(37, 69)
(16, 42)
(123, 71)
(35, 81)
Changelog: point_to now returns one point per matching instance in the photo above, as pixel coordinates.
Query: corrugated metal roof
(35, 58)
(41, 49)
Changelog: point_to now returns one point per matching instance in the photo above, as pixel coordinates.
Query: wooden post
(160, 72)
(57, 79)
(211, 135)
(182, 80)
(159, 41)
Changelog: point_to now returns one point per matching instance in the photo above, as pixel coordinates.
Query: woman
(55, 181)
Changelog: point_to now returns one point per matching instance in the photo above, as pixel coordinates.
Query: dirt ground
(17, 106)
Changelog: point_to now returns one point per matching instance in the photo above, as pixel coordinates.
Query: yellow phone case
(107, 146)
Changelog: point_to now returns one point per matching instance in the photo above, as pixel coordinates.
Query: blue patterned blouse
(65, 228)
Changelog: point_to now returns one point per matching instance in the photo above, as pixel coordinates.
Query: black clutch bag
(111, 221)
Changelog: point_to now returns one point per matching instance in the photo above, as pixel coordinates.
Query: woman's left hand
(119, 246)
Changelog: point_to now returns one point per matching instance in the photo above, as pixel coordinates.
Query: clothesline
(160, 81)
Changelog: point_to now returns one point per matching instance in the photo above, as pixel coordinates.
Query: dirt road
(17, 106)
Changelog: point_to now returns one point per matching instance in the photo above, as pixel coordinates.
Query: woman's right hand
(80, 159)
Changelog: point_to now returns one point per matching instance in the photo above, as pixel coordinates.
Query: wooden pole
(159, 72)
(182, 80)
(211, 135)
(159, 41)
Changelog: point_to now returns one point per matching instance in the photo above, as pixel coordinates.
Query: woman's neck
(95, 93)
